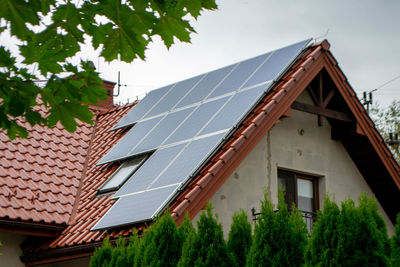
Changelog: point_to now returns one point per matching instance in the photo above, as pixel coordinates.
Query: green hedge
(349, 235)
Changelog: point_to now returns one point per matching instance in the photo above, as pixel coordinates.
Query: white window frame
(106, 189)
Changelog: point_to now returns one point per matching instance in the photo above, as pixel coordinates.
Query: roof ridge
(84, 173)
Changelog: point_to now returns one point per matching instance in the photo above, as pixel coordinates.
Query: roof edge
(31, 228)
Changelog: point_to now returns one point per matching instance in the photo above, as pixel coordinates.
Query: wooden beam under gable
(320, 111)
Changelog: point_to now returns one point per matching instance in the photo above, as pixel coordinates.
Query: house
(288, 118)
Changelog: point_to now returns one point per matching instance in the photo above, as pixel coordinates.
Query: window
(302, 190)
(122, 174)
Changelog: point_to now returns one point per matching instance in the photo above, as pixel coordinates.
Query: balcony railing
(308, 217)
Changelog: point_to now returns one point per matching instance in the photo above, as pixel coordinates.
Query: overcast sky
(364, 37)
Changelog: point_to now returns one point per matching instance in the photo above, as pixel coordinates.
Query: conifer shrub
(133, 249)
(207, 246)
(396, 244)
(163, 243)
(186, 230)
(324, 239)
(352, 236)
(119, 254)
(280, 237)
(102, 255)
(240, 238)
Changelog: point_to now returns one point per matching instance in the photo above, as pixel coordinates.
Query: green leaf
(5, 58)
(170, 27)
(193, 7)
(18, 12)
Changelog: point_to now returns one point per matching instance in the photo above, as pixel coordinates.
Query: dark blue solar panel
(205, 86)
(168, 168)
(174, 95)
(239, 75)
(234, 110)
(196, 121)
(129, 141)
(150, 170)
(188, 161)
(139, 207)
(144, 105)
(275, 64)
(161, 131)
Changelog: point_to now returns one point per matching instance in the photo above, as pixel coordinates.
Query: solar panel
(159, 133)
(206, 86)
(122, 148)
(239, 75)
(188, 161)
(174, 95)
(235, 108)
(184, 125)
(139, 207)
(192, 125)
(150, 170)
(275, 64)
(141, 108)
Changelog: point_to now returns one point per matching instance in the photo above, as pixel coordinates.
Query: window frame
(103, 190)
(298, 175)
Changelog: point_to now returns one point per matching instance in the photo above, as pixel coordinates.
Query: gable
(279, 102)
(297, 144)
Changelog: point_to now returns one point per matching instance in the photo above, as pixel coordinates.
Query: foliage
(119, 254)
(240, 238)
(396, 244)
(353, 236)
(324, 239)
(102, 255)
(133, 248)
(388, 121)
(164, 246)
(50, 33)
(280, 237)
(207, 246)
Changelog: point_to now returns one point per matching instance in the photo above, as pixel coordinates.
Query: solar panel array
(182, 125)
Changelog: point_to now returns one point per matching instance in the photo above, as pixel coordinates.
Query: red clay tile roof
(39, 176)
(89, 206)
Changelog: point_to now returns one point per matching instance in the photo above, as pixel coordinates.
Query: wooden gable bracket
(321, 103)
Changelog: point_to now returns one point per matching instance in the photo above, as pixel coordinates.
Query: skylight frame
(139, 160)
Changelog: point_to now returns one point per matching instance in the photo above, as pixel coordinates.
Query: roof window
(126, 170)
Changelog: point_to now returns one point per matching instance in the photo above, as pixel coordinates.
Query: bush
(240, 238)
(163, 244)
(280, 238)
(352, 236)
(324, 239)
(102, 255)
(396, 244)
(207, 246)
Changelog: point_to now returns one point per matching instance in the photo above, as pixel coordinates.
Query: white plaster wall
(10, 250)
(313, 153)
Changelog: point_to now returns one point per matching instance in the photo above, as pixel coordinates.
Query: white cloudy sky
(364, 37)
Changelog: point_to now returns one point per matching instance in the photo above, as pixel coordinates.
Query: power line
(386, 83)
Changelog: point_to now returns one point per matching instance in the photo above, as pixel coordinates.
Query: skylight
(122, 174)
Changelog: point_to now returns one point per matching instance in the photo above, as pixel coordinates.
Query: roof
(89, 206)
(40, 175)
(79, 239)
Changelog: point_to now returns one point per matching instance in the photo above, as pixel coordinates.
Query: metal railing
(308, 217)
